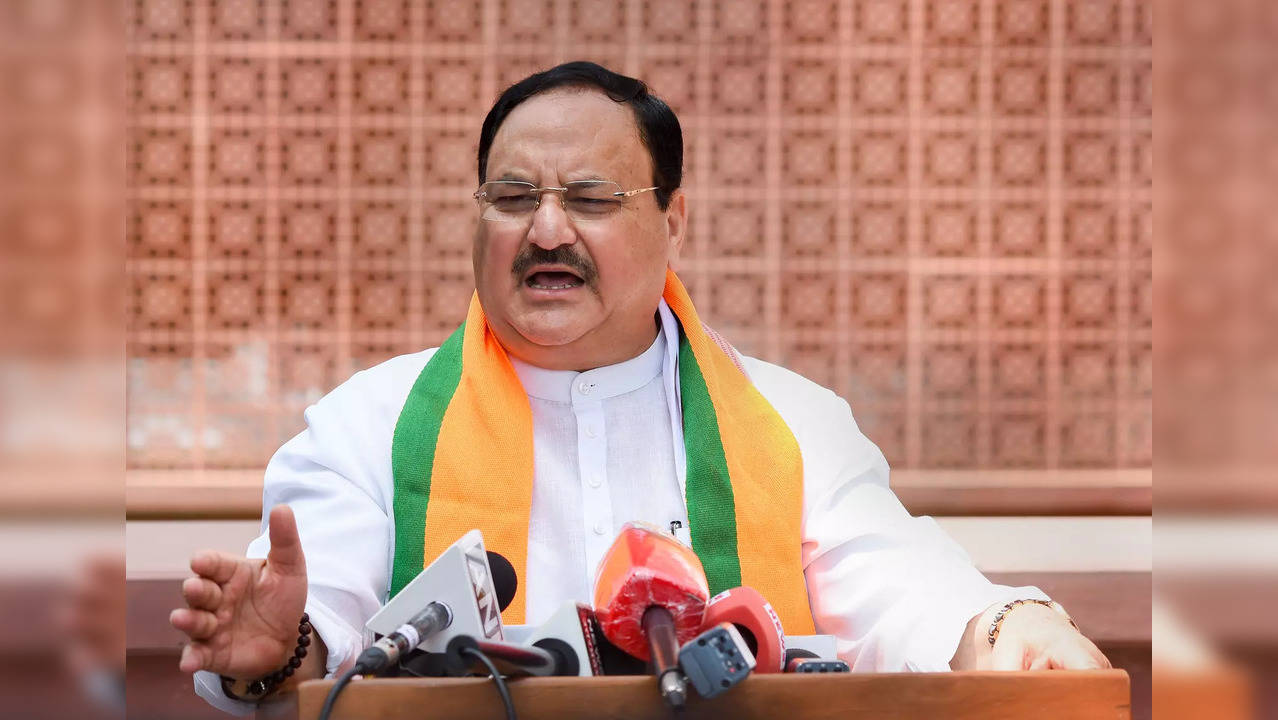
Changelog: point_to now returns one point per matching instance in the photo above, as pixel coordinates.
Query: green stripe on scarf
(412, 458)
(711, 507)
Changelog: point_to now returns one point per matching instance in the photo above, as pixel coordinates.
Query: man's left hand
(1036, 637)
(1032, 637)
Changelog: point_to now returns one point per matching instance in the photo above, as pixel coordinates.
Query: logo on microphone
(481, 583)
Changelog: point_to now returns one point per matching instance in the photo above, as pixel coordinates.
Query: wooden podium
(1060, 695)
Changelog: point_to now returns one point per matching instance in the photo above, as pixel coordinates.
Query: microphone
(554, 657)
(757, 622)
(504, 580)
(566, 644)
(798, 654)
(463, 591)
(716, 660)
(803, 660)
(650, 597)
(571, 632)
(386, 652)
(817, 645)
(601, 657)
(816, 665)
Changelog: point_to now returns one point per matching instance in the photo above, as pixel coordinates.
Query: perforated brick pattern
(938, 208)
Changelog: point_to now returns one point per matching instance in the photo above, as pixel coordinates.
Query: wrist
(283, 678)
(1021, 611)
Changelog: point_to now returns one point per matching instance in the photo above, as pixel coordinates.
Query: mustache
(565, 255)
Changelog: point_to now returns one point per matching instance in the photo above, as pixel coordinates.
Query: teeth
(568, 284)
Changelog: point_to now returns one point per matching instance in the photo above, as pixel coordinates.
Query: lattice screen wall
(938, 208)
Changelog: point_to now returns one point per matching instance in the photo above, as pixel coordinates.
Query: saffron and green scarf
(462, 457)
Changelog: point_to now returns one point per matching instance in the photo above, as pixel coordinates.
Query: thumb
(285, 556)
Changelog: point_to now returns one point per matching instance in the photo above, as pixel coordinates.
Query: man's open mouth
(553, 280)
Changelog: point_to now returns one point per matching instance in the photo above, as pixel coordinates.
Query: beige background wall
(938, 208)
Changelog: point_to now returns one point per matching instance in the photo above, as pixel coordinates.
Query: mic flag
(647, 568)
(758, 623)
(461, 579)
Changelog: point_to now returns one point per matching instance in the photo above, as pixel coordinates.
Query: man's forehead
(573, 124)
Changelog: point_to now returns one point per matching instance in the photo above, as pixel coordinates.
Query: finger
(1008, 655)
(198, 624)
(195, 656)
(217, 566)
(1075, 655)
(201, 593)
(286, 547)
(1101, 661)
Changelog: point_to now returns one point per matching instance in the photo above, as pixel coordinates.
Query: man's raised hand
(242, 614)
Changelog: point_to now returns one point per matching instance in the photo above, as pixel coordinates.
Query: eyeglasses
(583, 200)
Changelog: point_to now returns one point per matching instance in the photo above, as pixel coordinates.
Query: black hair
(658, 127)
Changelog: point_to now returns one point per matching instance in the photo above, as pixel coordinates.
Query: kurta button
(590, 431)
(595, 481)
(600, 529)
(584, 387)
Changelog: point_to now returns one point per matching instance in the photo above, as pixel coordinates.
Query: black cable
(337, 688)
(497, 679)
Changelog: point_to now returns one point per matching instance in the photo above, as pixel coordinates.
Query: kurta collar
(568, 386)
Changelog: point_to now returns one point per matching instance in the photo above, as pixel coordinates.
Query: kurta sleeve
(896, 591)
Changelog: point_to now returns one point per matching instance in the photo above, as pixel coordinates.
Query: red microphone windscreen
(644, 568)
(758, 622)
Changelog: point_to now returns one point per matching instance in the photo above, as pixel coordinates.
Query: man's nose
(550, 226)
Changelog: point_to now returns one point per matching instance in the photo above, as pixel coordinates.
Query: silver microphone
(387, 651)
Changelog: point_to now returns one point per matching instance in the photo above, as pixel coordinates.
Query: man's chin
(549, 339)
(543, 331)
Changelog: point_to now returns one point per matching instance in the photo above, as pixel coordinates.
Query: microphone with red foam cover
(650, 598)
(644, 568)
(758, 623)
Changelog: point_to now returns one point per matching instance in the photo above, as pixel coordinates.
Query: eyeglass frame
(539, 191)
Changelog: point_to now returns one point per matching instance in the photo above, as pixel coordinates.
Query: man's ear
(676, 227)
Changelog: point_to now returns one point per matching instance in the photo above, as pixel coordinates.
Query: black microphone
(792, 654)
(505, 582)
(798, 660)
(549, 656)
(571, 632)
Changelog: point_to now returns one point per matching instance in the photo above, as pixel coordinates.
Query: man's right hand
(242, 614)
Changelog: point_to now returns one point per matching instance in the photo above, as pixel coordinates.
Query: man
(583, 392)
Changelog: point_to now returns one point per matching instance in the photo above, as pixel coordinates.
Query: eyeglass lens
(583, 200)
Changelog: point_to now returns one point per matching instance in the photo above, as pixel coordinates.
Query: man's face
(572, 293)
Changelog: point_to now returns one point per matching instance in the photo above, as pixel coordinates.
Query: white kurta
(894, 589)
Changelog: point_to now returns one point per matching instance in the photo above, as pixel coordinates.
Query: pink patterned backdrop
(938, 208)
